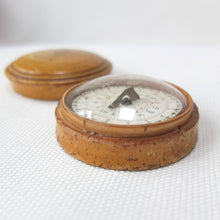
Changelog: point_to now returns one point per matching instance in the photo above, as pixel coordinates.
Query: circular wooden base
(129, 153)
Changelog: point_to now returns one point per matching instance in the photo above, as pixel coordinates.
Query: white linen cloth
(38, 180)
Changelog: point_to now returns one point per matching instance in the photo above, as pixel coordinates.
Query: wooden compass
(127, 122)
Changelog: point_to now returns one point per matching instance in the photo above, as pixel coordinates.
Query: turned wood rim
(80, 123)
(43, 77)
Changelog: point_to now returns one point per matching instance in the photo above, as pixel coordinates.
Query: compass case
(118, 146)
(48, 74)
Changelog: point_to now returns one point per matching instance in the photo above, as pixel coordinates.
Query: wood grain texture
(48, 74)
(126, 152)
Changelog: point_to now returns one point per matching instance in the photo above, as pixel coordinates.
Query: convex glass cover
(136, 100)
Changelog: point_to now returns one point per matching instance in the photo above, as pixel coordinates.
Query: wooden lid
(59, 64)
(56, 67)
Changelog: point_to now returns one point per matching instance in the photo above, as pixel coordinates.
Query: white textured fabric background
(39, 181)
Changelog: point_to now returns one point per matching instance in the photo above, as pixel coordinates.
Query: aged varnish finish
(48, 74)
(127, 147)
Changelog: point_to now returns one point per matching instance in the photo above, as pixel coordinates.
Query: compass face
(152, 106)
(130, 102)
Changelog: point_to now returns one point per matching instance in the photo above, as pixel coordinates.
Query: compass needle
(130, 92)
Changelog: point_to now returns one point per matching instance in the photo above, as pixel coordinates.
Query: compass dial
(134, 102)
(152, 106)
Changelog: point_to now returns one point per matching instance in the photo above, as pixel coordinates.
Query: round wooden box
(118, 138)
(48, 74)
